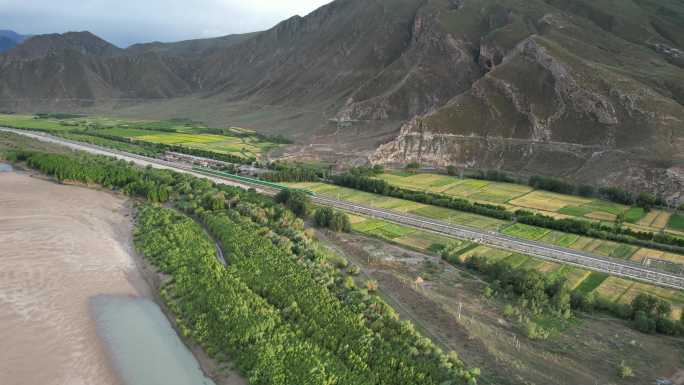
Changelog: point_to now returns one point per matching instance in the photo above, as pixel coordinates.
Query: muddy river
(74, 310)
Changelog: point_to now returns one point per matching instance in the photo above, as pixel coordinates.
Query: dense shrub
(334, 220)
(617, 195)
(298, 202)
(551, 184)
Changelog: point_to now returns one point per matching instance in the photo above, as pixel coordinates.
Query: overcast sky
(124, 22)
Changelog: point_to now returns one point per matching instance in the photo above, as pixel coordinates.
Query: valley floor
(586, 352)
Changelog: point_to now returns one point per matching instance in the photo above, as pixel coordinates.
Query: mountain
(9, 39)
(582, 89)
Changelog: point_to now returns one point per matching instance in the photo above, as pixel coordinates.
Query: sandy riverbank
(61, 245)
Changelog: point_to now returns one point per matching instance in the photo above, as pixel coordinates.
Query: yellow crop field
(642, 253)
(601, 216)
(614, 288)
(466, 187)
(547, 201)
(592, 245)
(661, 221)
(648, 218)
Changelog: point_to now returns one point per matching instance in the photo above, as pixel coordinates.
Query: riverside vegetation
(279, 310)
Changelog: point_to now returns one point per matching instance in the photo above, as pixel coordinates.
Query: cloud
(125, 22)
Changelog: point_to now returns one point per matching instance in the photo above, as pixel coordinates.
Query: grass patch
(606, 207)
(560, 239)
(676, 222)
(575, 211)
(525, 231)
(634, 214)
(517, 260)
(623, 251)
(392, 231)
(434, 212)
(593, 281)
(368, 225)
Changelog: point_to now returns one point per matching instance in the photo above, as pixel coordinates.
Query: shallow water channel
(141, 343)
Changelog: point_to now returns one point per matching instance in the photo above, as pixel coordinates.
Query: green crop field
(231, 141)
(403, 235)
(560, 239)
(25, 121)
(676, 222)
(517, 196)
(575, 211)
(634, 214)
(623, 251)
(593, 281)
(517, 260)
(401, 205)
(613, 288)
(526, 232)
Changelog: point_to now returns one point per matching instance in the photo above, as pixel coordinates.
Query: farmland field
(676, 222)
(591, 245)
(635, 215)
(406, 236)
(233, 141)
(613, 288)
(517, 196)
(525, 231)
(401, 205)
(560, 239)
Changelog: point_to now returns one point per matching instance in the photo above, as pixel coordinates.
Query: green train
(252, 181)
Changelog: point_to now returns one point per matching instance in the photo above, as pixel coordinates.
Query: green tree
(340, 222)
(298, 202)
(413, 167)
(644, 323)
(323, 216)
(646, 200)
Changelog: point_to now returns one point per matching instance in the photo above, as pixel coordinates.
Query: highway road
(617, 267)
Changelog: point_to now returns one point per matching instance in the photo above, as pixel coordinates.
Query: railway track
(616, 267)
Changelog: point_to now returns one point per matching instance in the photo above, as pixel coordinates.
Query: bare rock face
(434, 68)
(540, 110)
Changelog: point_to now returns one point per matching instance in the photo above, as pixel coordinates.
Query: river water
(74, 309)
(143, 346)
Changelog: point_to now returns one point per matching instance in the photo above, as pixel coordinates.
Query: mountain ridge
(576, 89)
(9, 39)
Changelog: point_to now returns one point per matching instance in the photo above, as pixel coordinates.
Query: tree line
(288, 172)
(217, 309)
(541, 293)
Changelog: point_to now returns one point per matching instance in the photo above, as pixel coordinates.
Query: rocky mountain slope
(9, 39)
(591, 90)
